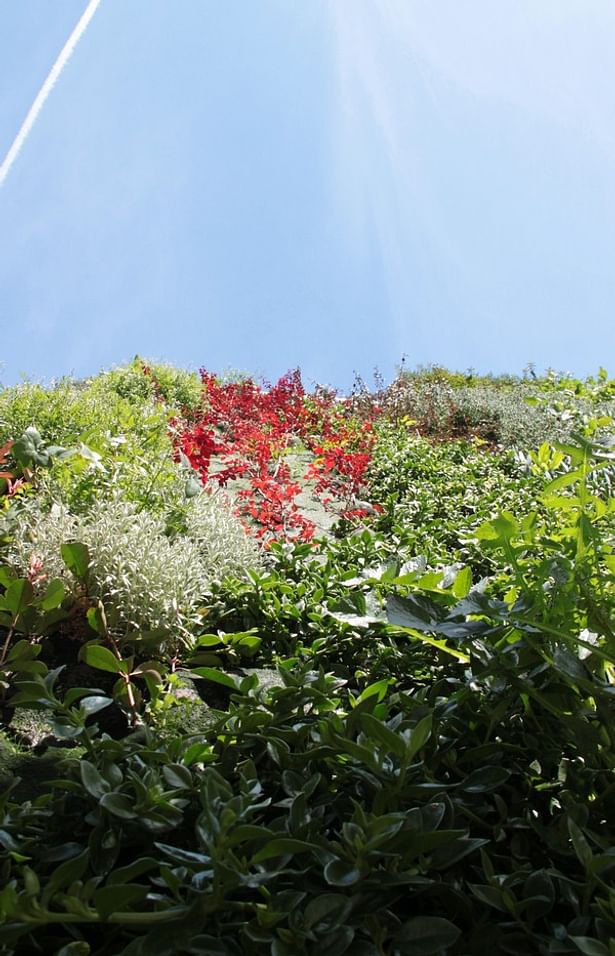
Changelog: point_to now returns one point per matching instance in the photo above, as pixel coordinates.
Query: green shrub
(144, 380)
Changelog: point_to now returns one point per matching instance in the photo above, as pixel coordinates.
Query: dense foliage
(392, 739)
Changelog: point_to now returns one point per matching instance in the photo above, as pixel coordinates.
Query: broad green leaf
(419, 736)
(18, 596)
(378, 731)
(218, 677)
(118, 897)
(127, 873)
(378, 689)
(563, 481)
(77, 948)
(491, 895)
(177, 776)
(120, 805)
(6, 575)
(199, 753)
(76, 557)
(29, 449)
(97, 619)
(65, 874)
(54, 595)
(485, 779)
(95, 785)
(330, 908)
(463, 583)
(93, 703)
(208, 640)
(589, 946)
(100, 657)
(427, 935)
(341, 873)
(153, 669)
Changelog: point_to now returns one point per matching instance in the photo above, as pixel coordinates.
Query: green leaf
(100, 657)
(282, 847)
(76, 557)
(341, 873)
(432, 641)
(97, 619)
(505, 525)
(377, 689)
(248, 645)
(118, 897)
(119, 805)
(485, 779)
(491, 895)
(54, 595)
(330, 908)
(153, 669)
(18, 596)
(28, 449)
(378, 731)
(78, 948)
(580, 844)
(589, 946)
(65, 874)
(6, 575)
(419, 736)
(563, 481)
(93, 703)
(131, 870)
(218, 677)
(188, 857)
(177, 776)
(427, 935)
(463, 583)
(199, 753)
(95, 785)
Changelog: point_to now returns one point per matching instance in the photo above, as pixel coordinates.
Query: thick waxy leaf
(341, 873)
(120, 805)
(427, 936)
(590, 947)
(485, 779)
(93, 703)
(92, 780)
(118, 898)
(217, 676)
(101, 657)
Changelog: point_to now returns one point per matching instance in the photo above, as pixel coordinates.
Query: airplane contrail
(46, 88)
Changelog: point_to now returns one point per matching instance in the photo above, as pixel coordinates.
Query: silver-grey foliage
(146, 578)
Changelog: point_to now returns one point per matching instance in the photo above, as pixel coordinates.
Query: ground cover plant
(392, 739)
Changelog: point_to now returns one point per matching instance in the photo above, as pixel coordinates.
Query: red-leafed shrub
(246, 429)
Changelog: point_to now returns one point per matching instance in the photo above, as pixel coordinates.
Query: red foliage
(244, 432)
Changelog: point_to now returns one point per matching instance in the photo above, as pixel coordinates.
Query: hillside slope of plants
(286, 672)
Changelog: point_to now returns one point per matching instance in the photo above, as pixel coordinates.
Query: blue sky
(261, 184)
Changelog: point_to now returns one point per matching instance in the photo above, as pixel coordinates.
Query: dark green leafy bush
(430, 770)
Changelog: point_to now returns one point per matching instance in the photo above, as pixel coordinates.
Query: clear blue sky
(331, 183)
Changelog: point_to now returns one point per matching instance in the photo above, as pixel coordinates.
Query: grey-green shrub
(146, 579)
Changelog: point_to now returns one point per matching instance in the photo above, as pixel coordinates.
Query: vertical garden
(289, 672)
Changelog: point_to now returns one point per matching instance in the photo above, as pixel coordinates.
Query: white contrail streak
(46, 89)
